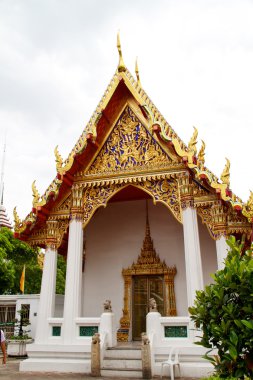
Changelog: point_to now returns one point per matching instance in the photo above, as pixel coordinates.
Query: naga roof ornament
(192, 143)
(19, 226)
(36, 197)
(223, 188)
(121, 65)
(248, 208)
(201, 155)
(190, 153)
(225, 176)
(59, 161)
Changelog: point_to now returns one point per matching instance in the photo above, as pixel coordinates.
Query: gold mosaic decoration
(129, 146)
(161, 190)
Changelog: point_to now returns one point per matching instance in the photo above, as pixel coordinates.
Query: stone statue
(152, 305)
(107, 306)
(96, 338)
(144, 338)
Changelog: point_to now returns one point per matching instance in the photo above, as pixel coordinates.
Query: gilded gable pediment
(129, 147)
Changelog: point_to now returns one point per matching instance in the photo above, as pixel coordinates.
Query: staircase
(122, 361)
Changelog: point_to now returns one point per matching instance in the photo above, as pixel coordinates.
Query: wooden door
(144, 288)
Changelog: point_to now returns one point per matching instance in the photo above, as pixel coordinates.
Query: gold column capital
(55, 230)
(51, 234)
(185, 188)
(219, 219)
(76, 212)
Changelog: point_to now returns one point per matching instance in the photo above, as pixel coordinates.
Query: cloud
(57, 57)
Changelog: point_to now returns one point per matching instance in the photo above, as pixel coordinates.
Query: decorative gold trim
(186, 190)
(163, 190)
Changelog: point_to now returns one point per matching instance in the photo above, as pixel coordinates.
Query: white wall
(114, 240)
(33, 301)
(59, 304)
(208, 253)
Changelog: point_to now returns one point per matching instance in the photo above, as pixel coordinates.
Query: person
(3, 346)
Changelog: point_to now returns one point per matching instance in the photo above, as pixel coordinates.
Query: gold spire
(137, 72)
(121, 65)
(225, 175)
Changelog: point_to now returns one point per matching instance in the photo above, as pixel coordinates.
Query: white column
(108, 327)
(47, 296)
(73, 286)
(193, 264)
(221, 250)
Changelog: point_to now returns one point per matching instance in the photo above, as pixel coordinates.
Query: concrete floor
(10, 372)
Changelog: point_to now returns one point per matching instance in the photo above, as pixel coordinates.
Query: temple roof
(94, 135)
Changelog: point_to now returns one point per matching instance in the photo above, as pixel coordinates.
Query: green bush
(224, 313)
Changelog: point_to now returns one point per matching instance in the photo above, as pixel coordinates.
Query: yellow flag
(22, 281)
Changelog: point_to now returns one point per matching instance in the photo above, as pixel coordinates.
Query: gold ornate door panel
(144, 288)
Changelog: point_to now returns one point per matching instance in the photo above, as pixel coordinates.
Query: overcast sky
(58, 56)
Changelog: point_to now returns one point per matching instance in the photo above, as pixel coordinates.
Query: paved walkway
(10, 372)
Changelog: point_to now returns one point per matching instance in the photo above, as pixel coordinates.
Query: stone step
(123, 353)
(133, 373)
(115, 363)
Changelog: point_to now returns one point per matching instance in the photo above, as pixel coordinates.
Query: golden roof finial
(121, 65)
(225, 175)
(137, 72)
(193, 142)
(201, 155)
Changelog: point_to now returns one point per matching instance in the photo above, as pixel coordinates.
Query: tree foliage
(224, 313)
(13, 255)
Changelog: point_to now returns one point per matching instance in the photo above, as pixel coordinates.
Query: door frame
(144, 267)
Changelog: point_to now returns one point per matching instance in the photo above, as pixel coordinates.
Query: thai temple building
(142, 223)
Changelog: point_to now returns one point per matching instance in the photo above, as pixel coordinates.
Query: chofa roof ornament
(121, 65)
